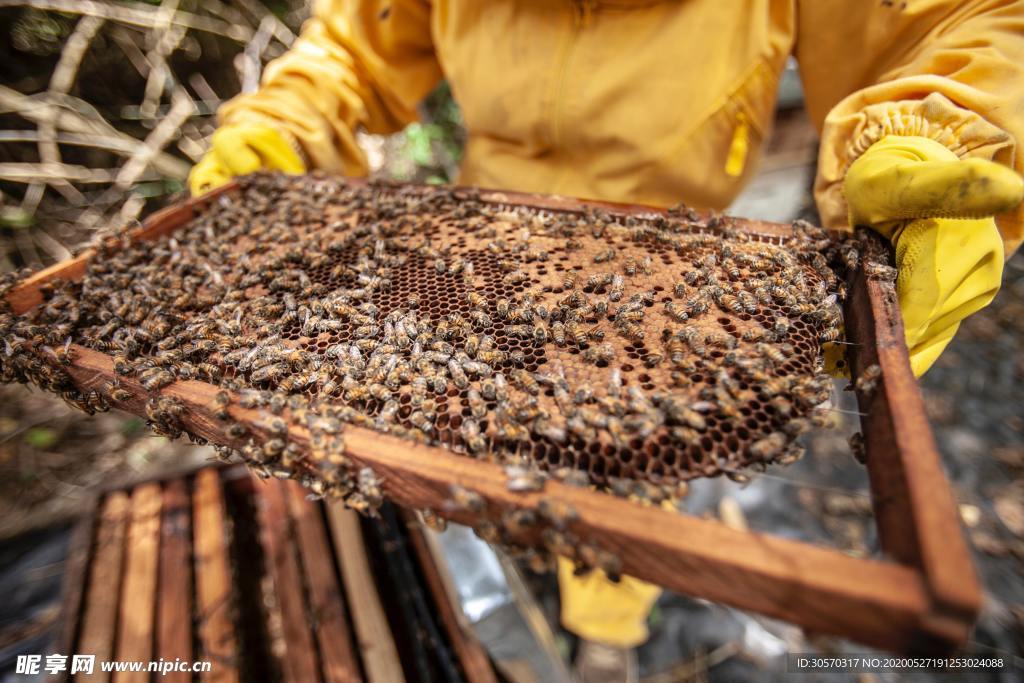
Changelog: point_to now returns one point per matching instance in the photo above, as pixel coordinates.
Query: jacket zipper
(581, 14)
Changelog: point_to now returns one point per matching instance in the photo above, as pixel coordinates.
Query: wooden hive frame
(924, 596)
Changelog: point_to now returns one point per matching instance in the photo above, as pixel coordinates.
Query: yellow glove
(239, 149)
(596, 609)
(937, 211)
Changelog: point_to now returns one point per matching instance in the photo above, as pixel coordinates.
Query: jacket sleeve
(357, 64)
(947, 70)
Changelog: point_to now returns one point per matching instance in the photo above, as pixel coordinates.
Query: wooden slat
(99, 623)
(377, 645)
(217, 638)
(138, 591)
(76, 573)
(327, 607)
(471, 654)
(300, 661)
(915, 510)
(174, 607)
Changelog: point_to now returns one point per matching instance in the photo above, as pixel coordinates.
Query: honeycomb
(638, 347)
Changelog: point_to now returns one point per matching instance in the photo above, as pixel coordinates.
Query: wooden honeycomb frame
(924, 597)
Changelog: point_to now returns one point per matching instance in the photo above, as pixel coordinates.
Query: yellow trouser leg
(599, 610)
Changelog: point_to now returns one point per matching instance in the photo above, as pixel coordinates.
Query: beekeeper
(920, 105)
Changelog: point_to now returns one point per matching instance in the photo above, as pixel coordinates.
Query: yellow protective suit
(649, 101)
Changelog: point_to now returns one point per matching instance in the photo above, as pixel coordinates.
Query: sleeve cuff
(849, 133)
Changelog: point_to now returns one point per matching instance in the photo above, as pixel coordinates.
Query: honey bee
(432, 520)
(772, 352)
(525, 381)
(730, 303)
(719, 338)
(694, 339)
(616, 289)
(270, 373)
(604, 256)
(629, 314)
(830, 334)
(419, 420)
(518, 522)
(696, 306)
(569, 280)
(221, 401)
(867, 382)
(753, 334)
(602, 353)
(880, 271)
(155, 379)
(653, 359)
(676, 312)
(464, 499)
(502, 306)
(769, 447)
(472, 436)
(858, 448)
(558, 333)
(559, 513)
(522, 479)
(514, 278)
(457, 375)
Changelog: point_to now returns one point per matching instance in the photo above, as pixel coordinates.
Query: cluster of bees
(596, 335)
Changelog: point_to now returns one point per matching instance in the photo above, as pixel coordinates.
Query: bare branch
(281, 32)
(27, 173)
(117, 145)
(252, 62)
(61, 80)
(182, 108)
(125, 39)
(136, 15)
(165, 37)
(92, 124)
(74, 50)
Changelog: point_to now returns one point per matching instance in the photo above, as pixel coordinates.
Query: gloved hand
(937, 211)
(595, 609)
(239, 149)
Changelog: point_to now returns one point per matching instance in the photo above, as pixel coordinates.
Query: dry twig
(137, 15)
(90, 123)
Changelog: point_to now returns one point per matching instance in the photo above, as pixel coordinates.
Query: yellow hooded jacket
(651, 101)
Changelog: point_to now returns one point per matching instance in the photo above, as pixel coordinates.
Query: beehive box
(264, 584)
(368, 340)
